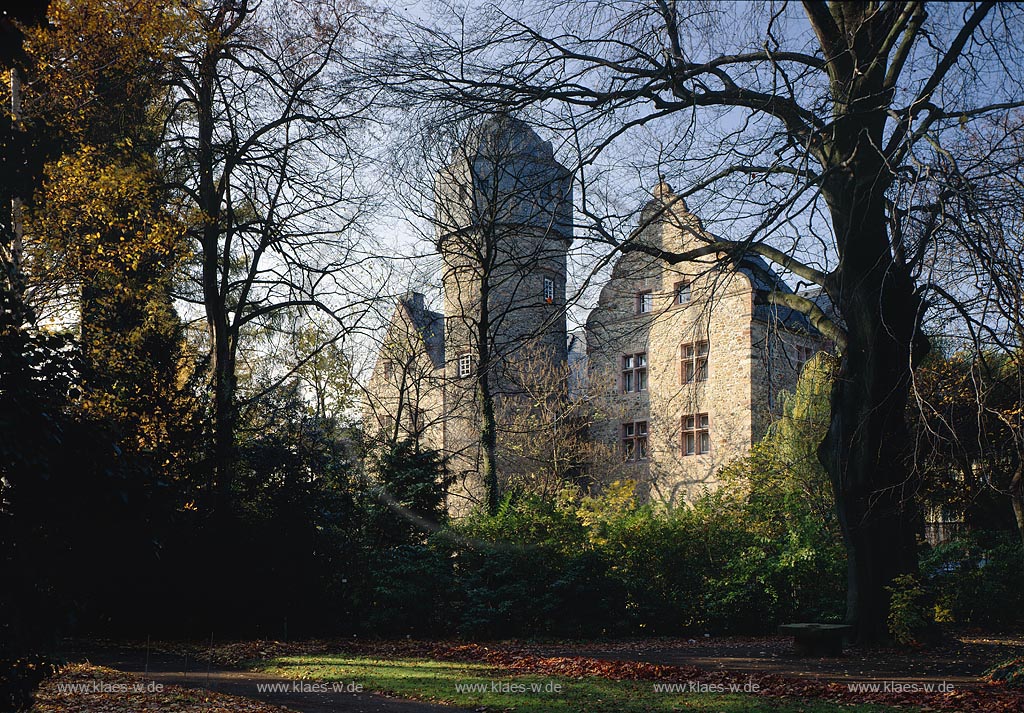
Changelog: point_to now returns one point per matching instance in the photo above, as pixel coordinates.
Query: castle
(679, 368)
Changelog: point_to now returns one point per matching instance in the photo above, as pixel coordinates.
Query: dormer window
(549, 291)
(644, 302)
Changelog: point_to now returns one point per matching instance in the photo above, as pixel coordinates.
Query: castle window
(634, 440)
(387, 367)
(803, 355)
(644, 302)
(549, 290)
(694, 359)
(465, 365)
(634, 372)
(682, 293)
(696, 435)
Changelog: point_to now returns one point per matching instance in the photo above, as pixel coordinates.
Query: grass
(441, 681)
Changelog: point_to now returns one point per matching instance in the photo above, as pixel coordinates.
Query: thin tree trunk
(485, 397)
(1017, 498)
(489, 446)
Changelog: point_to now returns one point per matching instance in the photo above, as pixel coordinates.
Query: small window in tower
(549, 290)
(644, 302)
(682, 293)
(465, 365)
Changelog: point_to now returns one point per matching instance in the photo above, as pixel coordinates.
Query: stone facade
(683, 363)
(405, 394)
(690, 363)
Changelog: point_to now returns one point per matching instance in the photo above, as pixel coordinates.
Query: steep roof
(430, 326)
(764, 280)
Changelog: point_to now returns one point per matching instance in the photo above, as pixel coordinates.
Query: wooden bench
(817, 639)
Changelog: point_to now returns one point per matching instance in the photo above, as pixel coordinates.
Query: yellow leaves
(94, 211)
(97, 56)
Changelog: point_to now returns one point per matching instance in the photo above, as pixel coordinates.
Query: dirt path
(180, 671)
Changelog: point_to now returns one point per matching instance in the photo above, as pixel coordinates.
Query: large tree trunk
(864, 454)
(865, 449)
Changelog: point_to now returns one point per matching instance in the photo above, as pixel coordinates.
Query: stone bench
(817, 639)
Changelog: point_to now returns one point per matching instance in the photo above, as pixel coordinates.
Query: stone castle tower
(504, 225)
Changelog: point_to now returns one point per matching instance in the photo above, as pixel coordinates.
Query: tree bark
(865, 449)
(485, 398)
(222, 363)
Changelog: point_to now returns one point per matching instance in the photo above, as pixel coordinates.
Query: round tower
(504, 226)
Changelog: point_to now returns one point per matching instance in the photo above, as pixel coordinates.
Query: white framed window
(634, 372)
(634, 440)
(696, 435)
(644, 302)
(549, 290)
(465, 365)
(682, 293)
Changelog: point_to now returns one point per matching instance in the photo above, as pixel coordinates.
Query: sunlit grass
(440, 681)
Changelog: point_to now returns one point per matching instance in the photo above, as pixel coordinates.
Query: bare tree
(829, 132)
(261, 148)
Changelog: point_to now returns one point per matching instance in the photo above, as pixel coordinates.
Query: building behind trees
(683, 362)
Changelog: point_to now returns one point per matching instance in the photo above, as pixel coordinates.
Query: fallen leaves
(533, 659)
(83, 688)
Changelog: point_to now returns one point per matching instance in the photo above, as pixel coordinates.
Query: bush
(529, 569)
(604, 564)
(909, 618)
(976, 579)
(413, 590)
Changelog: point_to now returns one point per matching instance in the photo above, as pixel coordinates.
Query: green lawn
(440, 681)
